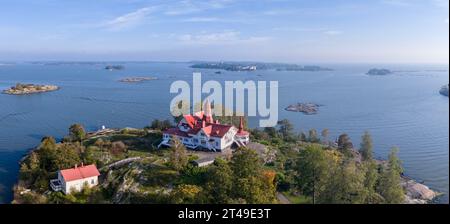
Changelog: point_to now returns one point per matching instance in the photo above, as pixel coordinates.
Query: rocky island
(305, 108)
(23, 89)
(376, 71)
(137, 79)
(114, 67)
(444, 90)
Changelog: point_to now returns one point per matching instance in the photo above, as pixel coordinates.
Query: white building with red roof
(200, 131)
(74, 179)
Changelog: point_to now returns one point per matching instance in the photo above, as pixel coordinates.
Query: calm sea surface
(404, 109)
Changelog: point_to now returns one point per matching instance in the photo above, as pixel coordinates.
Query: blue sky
(320, 31)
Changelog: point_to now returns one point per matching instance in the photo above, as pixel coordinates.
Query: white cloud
(225, 38)
(332, 32)
(129, 20)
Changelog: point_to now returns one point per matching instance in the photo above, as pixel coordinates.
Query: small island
(376, 71)
(444, 90)
(24, 89)
(114, 67)
(137, 79)
(305, 108)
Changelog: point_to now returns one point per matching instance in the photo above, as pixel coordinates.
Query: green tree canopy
(366, 149)
(314, 168)
(390, 182)
(77, 132)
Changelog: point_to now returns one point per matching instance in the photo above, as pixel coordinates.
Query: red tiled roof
(176, 131)
(219, 130)
(207, 130)
(190, 120)
(79, 173)
(242, 133)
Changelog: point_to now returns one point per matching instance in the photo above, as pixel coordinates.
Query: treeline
(327, 172)
(306, 168)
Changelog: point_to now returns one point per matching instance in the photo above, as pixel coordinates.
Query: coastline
(415, 192)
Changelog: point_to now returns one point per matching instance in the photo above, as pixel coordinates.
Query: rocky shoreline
(417, 193)
(25, 89)
(305, 108)
(444, 90)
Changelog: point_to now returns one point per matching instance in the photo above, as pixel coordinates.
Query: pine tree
(390, 183)
(345, 185)
(286, 129)
(77, 132)
(313, 136)
(313, 171)
(366, 149)
(325, 133)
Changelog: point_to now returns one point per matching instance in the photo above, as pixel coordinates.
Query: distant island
(226, 66)
(444, 90)
(254, 66)
(376, 71)
(137, 79)
(305, 108)
(23, 89)
(114, 67)
(306, 68)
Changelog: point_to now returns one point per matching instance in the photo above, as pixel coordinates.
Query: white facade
(201, 139)
(76, 185)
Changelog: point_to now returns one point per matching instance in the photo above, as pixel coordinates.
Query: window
(92, 181)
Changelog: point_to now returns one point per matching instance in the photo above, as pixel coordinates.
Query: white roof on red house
(79, 173)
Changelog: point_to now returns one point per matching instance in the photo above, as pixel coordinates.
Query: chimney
(76, 166)
(241, 125)
(82, 164)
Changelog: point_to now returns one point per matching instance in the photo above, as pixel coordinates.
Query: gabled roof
(190, 120)
(176, 131)
(79, 173)
(218, 130)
